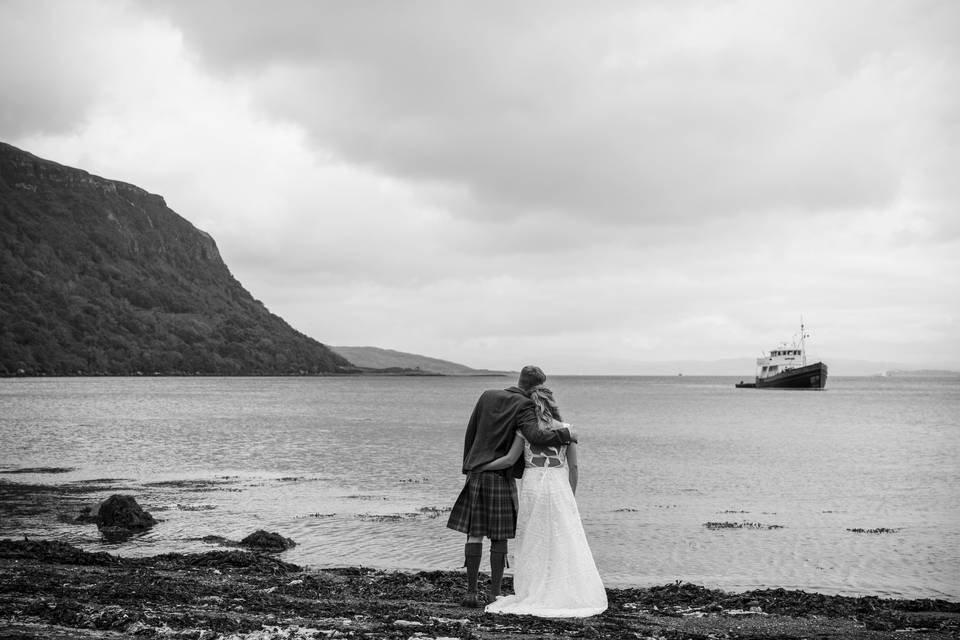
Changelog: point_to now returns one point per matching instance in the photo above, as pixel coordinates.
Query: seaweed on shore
(235, 559)
(50, 589)
(198, 486)
(880, 613)
(741, 525)
(38, 470)
(53, 551)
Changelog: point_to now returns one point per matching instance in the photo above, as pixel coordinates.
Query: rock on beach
(267, 541)
(120, 514)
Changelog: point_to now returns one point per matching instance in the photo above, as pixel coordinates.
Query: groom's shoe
(473, 600)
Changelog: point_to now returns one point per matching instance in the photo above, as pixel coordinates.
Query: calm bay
(850, 490)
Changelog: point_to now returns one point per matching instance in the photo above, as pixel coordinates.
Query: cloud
(584, 185)
(50, 64)
(633, 112)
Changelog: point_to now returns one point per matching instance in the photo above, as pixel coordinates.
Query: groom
(487, 505)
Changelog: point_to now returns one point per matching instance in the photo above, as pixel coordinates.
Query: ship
(785, 367)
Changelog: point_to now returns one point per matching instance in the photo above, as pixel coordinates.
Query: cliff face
(100, 277)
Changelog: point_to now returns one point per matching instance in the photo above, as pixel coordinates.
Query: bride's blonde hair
(545, 404)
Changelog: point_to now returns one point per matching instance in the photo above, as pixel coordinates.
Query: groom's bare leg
(472, 552)
(498, 558)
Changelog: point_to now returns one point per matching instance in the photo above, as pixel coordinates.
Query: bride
(555, 575)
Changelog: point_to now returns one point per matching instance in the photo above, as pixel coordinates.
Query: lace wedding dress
(554, 573)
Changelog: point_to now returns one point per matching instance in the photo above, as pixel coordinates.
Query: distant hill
(921, 373)
(101, 277)
(376, 358)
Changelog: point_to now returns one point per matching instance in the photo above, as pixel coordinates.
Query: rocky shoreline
(51, 589)
(245, 591)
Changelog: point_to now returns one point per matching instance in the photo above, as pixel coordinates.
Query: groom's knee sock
(498, 558)
(472, 552)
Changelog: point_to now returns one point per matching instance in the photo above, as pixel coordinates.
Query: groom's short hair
(531, 376)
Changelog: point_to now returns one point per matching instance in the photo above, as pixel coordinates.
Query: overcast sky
(584, 185)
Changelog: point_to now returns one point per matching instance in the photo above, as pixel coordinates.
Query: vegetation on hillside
(100, 278)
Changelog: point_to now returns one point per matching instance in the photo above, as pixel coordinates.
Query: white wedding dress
(554, 574)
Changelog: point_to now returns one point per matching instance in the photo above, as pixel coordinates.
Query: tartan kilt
(486, 506)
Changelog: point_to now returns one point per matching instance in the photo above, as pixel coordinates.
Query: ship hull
(812, 376)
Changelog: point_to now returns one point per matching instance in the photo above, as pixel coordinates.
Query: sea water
(850, 490)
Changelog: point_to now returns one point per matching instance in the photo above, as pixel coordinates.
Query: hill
(100, 277)
(377, 358)
(920, 373)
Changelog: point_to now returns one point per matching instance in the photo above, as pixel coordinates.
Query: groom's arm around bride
(487, 504)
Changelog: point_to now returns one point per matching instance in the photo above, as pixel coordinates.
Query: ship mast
(803, 346)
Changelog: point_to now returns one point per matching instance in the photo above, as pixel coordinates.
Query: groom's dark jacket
(494, 423)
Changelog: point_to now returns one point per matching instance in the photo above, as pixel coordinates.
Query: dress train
(554, 572)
